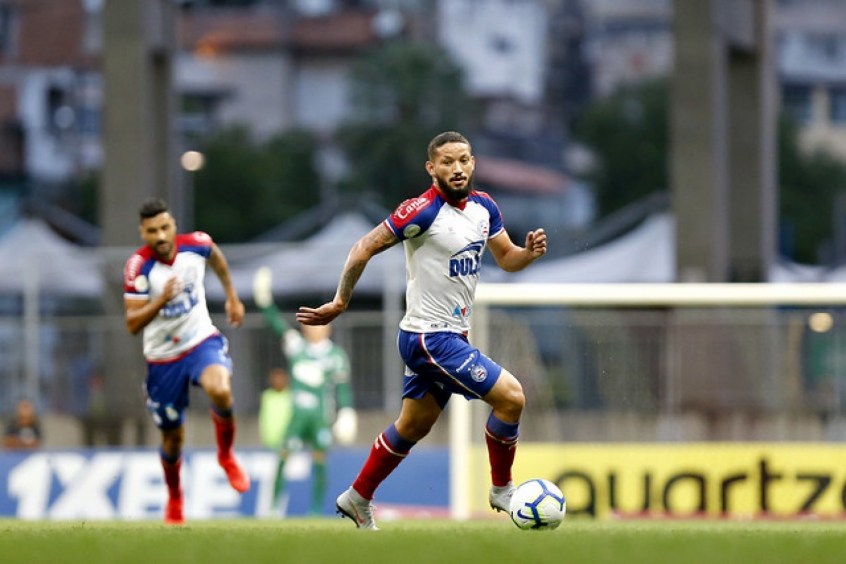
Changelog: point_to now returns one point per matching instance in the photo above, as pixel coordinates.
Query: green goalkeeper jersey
(319, 375)
(319, 372)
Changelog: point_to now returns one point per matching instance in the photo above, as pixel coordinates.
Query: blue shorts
(167, 383)
(444, 364)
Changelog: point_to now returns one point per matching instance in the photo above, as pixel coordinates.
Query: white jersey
(183, 322)
(443, 244)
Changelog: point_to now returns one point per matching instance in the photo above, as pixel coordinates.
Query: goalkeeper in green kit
(321, 396)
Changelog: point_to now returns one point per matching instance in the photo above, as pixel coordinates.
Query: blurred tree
(812, 188)
(403, 94)
(82, 197)
(246, 187)
(628, 134)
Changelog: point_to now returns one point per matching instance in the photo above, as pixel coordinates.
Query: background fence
(604, 373)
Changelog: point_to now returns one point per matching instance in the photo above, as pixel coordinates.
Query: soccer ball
(537, 504)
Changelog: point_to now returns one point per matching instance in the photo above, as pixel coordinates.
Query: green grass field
(426, 541)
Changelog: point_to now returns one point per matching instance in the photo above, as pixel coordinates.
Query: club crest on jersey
(484, 229)
(467, 261)
(478, 372)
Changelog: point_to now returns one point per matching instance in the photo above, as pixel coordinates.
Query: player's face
(159, 233)
(452, 170)
(278, 379)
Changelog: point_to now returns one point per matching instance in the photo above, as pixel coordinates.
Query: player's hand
(536, 243)
(172, 288)
(321, 315)
(234, 311)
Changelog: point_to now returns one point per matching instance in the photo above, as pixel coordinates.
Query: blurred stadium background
(657, 141)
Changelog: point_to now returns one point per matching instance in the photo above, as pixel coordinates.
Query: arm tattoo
(349, 278)
(378, 240)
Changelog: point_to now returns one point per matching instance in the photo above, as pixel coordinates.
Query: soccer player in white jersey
(164, 295)
(444, 231)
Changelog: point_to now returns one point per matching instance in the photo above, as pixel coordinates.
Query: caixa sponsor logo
(467, 261)
(408, 207)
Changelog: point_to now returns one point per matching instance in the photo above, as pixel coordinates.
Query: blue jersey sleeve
(496, 224)
(414, 216)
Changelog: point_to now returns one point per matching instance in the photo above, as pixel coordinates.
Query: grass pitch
(308, 541)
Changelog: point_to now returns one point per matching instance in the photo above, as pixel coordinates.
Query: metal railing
(577, 366)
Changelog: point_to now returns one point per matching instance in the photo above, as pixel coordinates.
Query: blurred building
(269, 68)
(502, 46)
(629, 40)
(812, 65)
(276, 65)
(626, 41)
(273, 66)
(50, 91)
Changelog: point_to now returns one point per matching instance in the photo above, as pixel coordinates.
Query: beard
(456, 194)
(163, 249)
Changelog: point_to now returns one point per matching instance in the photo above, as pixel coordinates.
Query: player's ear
(430, 168)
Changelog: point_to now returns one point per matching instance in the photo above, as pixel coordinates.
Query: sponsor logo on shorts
(466, 361)
(171, 413)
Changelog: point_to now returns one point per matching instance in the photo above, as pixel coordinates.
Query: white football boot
(500, 497)
(351, 504)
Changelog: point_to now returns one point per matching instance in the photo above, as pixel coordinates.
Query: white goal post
(662, 295)
(615, 295)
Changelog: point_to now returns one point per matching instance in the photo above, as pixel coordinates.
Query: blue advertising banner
(127, 484)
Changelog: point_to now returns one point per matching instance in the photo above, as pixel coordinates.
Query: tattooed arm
(379, 239)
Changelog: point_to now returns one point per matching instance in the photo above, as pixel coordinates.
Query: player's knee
(515, 401)
(220, 396)
(413, 427)
(508, 398)
(217, 387)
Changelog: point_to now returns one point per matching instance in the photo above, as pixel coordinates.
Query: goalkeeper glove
(346, 426)
(262, 287)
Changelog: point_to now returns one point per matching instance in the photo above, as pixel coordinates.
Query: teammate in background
(320, 387)
(444, 231)
(164, 295)
(23, 430)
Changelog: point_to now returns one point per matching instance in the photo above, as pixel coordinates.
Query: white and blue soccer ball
(537, 504)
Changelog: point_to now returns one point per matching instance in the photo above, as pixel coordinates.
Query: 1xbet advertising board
(127, 484)
(736, 480)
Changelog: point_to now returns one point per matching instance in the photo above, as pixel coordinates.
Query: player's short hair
(151, 207)
(442, 139)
